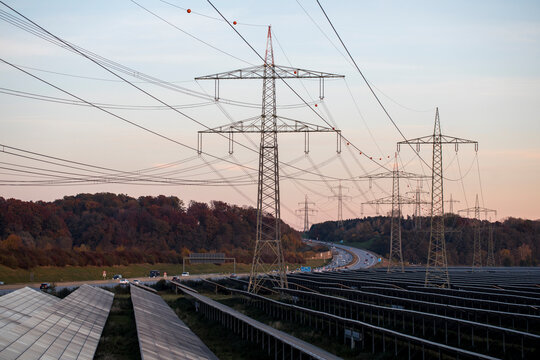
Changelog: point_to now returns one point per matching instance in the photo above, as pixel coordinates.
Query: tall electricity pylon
(340, 198)
(418, 204)
(477, 246)
(268, 236)
(437, 264)
(306, 211)
(395, 222)
(451, 202)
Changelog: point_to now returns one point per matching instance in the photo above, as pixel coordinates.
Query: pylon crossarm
(388, 200)
(390, 175)
(258, 72)
(253, 125)
(479, 209)
(441, 139)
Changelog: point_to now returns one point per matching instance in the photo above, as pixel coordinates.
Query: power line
(188, 34)
(367, 82)
(83, 53)
(291, 88)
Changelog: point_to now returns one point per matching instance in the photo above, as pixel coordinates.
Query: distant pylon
(395, 222)
(437, 264)
(490, 249)
(451, 202)
(306, 211)
(477, 245)
(395, 257)
(340, 198)
(418, 204)
(268, 252)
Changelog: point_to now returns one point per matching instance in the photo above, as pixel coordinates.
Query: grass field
(119, 339)
(78, 273)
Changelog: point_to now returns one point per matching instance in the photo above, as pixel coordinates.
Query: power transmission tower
(396, 201)
(477, 246)
(306, 211)
(268, 236)
(437, 264)
(340, 198)
(451, 202)
(418, 204)
(491, 247)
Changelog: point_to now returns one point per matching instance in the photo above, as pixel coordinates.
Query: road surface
(362, 259)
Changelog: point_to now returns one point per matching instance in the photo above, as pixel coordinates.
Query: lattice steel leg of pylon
(477, 251)
(490, 248)
(437, 267)
(268, 253)
(395, 226)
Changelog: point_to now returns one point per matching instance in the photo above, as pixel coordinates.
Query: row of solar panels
(35, 325)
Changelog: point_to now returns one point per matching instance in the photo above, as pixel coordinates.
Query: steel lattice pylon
(306, 211)
(418, 204)
(477, 245)
(268, 252)
(490, 249)
(395, 223)
(451, 202)
(340, 198)
(395, 258)
(437, 265)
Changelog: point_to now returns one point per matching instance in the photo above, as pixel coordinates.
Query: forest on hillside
(109, 229)
(516, 241)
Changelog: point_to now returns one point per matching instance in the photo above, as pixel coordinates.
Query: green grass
(221, 341)
(83, 273)
(119, 339)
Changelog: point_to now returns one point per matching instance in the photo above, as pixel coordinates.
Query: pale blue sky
(478, 61)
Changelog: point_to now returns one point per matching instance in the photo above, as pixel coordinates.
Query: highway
(362, 259)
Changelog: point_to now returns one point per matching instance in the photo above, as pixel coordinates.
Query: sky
(478, 62)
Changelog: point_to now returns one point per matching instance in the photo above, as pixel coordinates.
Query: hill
(516, 241)
(109, 229)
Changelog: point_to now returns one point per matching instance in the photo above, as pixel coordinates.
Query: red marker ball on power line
(234, 22)
(348, 143)
(316, 105)
(295, 72)
(370, 158)
(189, 11)
(360, 153)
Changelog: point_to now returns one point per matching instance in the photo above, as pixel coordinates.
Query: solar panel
(68, 329)
(162, 335)
(19, 305)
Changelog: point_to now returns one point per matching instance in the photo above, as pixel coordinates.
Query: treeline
(109, 229)
(516, 241)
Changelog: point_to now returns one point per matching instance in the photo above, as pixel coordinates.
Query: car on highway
(124, 281)
(154, 273)
(44, 286)
(137, 282)
(1, 283)
(185, 273)
(117, 277)
(233, 276)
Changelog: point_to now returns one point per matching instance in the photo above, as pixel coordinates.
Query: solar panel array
(19, 306)
(243, 324)
(67, 329)
(162, 335)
